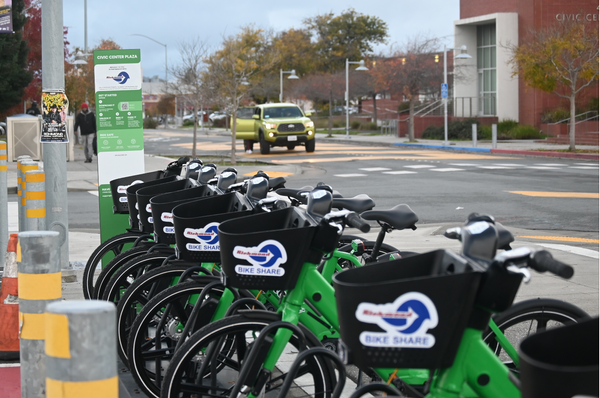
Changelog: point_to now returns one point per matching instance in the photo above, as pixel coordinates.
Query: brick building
(486, 27)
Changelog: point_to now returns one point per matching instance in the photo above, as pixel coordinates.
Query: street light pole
(361, 66)
(292, 76)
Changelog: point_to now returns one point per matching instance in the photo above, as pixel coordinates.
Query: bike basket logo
(167, 217)
(208, 238)
(405, 322)
(149, 208)
(264, 259)
(123, 188)
(121, 78)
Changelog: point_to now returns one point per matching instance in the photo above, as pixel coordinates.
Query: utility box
(23, 137)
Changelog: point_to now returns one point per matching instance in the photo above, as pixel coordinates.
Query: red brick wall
(536, 14)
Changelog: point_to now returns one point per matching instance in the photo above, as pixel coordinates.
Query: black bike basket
(162, 207)
(561, 362)
(118, 189)
(144, 195)
(266, 251)
(134, 219)
(195, 223)
(406, 313)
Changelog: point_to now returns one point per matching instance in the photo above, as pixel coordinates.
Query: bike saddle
(398, 217)
(359, 203)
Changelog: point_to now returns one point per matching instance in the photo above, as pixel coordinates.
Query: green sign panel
(120, 136)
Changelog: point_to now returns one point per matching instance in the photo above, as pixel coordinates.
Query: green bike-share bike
(214, 361)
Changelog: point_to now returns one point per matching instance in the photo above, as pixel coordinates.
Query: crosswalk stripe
(447, 169)
(350, 175)
(400, 172)
(420, 166)
(375, 169)
(493, 167)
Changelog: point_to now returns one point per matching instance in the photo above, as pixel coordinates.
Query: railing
(578, 118)
(390, 127)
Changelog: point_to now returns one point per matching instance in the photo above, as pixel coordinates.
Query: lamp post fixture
(463, 55)
(361, 66)
(292, 76)
(162, 44)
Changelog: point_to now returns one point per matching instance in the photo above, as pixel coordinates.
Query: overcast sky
(174, 21)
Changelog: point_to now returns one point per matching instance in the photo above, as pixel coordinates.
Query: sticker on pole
(54, 118)
(405, 322)
(265, 259)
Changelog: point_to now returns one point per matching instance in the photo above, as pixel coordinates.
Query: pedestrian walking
(33, 109)
(86, 121)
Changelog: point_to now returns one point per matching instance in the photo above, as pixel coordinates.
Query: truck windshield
(281, 112)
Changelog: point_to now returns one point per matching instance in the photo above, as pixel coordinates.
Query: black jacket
(87, 122)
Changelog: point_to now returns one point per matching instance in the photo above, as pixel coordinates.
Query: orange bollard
(9, 304)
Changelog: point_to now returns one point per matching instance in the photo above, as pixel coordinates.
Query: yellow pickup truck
(276, 125)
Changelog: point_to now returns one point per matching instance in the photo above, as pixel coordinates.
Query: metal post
(474, 134)
(20, 160)
(55, 154)
(39, 283)
(81, 349)
(445, 100)
(494, 136)
(35, 201)
(26, 165)
(3, 203)
(347, 99)
(280, 85)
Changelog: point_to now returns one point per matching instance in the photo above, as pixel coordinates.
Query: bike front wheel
(209, 362)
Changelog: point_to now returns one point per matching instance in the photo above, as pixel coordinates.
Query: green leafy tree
(13, 61)
(561, 59)
(349, 35)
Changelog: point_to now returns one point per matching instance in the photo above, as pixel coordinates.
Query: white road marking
(572, 249)
(550, 164)
(10, 365)
(420, 166)
(587, 164)
(494, 167)
(400, 172)
(542, 168)
(375, 169)
(464, 164)
(447, 169)
(350, 175)
(508, 164)
(583, 167)
(95, 193)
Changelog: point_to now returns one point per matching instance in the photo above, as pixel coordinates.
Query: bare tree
(410, 71)
(231, 69)
(188, 78)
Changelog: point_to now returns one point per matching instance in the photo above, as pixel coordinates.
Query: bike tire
(181, 374)
(137, 296)
(113, 246)
(521, 318)
(135, 267)
(141, 350)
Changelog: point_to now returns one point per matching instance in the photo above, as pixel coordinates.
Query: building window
(486, 68)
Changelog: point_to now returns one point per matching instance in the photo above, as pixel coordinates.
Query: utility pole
(55, 154)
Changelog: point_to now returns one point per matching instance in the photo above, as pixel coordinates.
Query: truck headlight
(309, 124)
(271, 125)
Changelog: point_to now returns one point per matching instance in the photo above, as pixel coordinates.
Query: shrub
(506, 125)
(355, 125)
(555, 115)
(593, 104)
(188, 122)
(370, 126)
(336, 124)
(526, 132)
(150, 123)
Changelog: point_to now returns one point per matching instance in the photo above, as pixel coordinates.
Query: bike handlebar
(355, 221)
(542, 261)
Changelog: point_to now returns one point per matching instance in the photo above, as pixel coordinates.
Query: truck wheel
(265, 147)
(310, 145)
